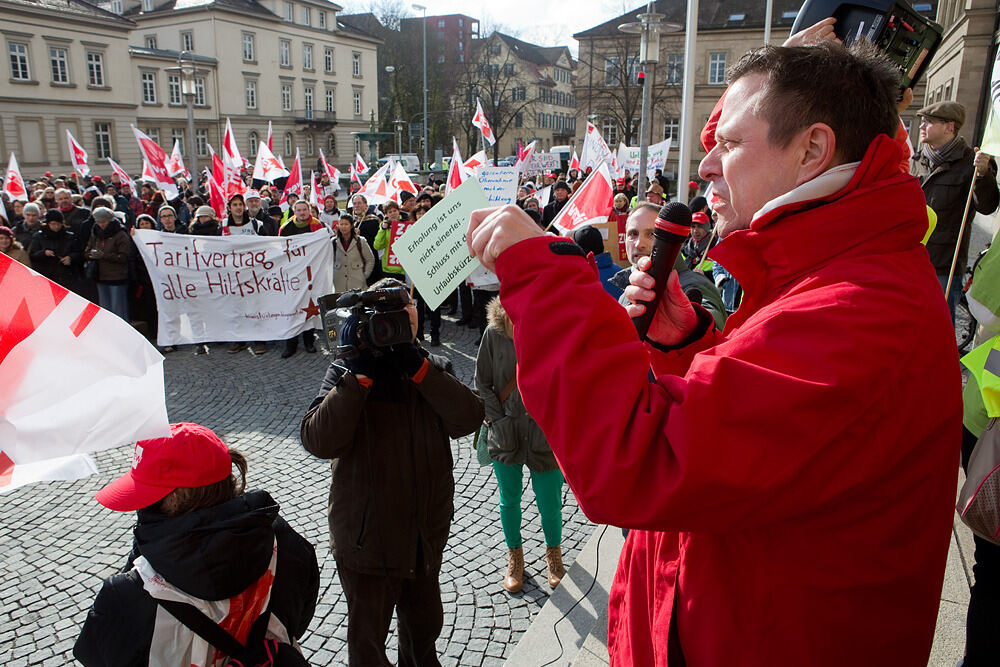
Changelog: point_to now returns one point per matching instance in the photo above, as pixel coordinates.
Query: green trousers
(548, 495)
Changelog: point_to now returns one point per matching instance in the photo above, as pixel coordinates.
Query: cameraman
(385, 417)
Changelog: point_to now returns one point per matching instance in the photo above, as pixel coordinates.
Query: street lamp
(399, 122)
(187, 69)
(648, 29)
(422, 8)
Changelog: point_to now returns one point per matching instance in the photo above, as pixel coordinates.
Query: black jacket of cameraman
(388, 438)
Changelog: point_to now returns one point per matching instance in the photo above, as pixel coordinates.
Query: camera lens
(391, 328)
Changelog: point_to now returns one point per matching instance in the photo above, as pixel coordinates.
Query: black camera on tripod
(379, 315)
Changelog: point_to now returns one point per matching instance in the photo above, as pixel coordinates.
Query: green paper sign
(433, 251)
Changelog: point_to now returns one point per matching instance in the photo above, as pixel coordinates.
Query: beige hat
(205, 210)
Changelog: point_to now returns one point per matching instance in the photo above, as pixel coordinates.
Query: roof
(173, 55)
(247, 6)
(363, 24)
(77, 8)
(539, 55)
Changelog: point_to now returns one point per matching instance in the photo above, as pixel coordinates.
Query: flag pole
(961, 233)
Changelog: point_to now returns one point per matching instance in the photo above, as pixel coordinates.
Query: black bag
(258, 652)
(90, 269)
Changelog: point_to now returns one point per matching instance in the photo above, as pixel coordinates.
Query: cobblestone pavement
(58, 543)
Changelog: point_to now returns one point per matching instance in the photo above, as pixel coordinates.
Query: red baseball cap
(699, 218)
(193, 456)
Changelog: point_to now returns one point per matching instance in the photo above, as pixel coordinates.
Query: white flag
(77, 155)
(479, 120)
(13, 184)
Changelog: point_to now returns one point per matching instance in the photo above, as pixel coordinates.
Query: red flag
(218, 168)
(293, 184)
(175, 164)
(147, 173)
(590, 204)
(123, 176)
(359, 164)
(77, 155)
(48, 334)
(13, 184)
(479, 120)
(330, 170)
(471, 165)
(157, 159)
(216, 197)
(232, 162)
(267, 168)
(455, 176)
(524, 157)
(575, 162)
(399, 182)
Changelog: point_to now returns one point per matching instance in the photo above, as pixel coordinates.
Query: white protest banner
(544, 162)
(595, 150)
(433, 251)
(236, 288)
(499, 184)
(628, 159)
(657, 155)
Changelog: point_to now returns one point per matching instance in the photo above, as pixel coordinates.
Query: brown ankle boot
(553, 558)
(513, 581)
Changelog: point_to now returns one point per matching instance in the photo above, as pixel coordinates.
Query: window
(251, 87)
(19, 61)
(102, 137)
(150, 41)
(284, 53)
(201, 141)
(672, 129)
(310, 146)
(675, 69)
(286, 97)
(331, 143)
(790, 15)
(187, 41)
(289, 12)
(330, 101)
(307, 16)
(440, 59)
(357, 102)
(177, 137)
(95, 69)
(322, 19)
(508, 69)
(254, 141)
(947, 89)
(173, 89)
(736, 18)
(518, 94)
(611, 71)
(59, 63)
(440, 23)
(356, 64)
(610, 131)
(116, 7)
(717, 68)
(328, 60)
(153, 133)
(307, 56)
(461, 22)
(288, 144)
(148, 87)
(519, 119)
(147, 5)
(249, 50)
(357, 145)
(308, 95)
(199, 92)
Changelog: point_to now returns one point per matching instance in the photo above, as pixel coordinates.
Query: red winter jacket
(789, 482)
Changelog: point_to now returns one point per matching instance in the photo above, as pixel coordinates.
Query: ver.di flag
(157, 159)
(590, 205)
(175, 165)
(13, 184)
(77, 155)
(294, 183)
(123, 176)
(109, 379)
(455, 168)
(266, 167)
(479, 120)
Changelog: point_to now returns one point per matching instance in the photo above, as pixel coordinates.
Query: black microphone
(673, 225)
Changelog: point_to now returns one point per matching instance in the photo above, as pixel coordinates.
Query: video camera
(893, 26)
(380, 313)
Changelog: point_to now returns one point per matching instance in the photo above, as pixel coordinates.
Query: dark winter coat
(212, 554)
(210, 228)
(62, 244)
(946, 189)
(23, 233)
(112, 245)
(514, 437)
(391, 497)
(551, 210)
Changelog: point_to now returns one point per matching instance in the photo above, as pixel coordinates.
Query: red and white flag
(218, 167)
(359, 164)
(232, 161)
(524, 157)
(157, 159)
(574, 162)
(293, 184)
(399, 182)
(330, 170)
(313, 197)
(590, 204)
(13, 184)
(266, 167)
(375, 189)
(455, 175)
(475, 163)
(270, 137)
(175, 164)
(123, 176)
(479, 120)
(595, 149)
(147, 174)
(77, 155)
(110, 381)
(217, 200)
(355, 178)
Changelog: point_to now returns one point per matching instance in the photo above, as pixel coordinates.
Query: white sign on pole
(499, 184)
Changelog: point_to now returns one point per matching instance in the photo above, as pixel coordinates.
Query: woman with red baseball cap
(205, 555)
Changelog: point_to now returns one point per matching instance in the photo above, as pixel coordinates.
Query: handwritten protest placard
(236, 288)
(544, 162)
(499, 184)
(396, 230)
(433, 251)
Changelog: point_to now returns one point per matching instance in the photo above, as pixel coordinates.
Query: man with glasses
(946, 167)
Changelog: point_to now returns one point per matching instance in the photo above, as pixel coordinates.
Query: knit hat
(590, 239)
(32, 206)
(54, 214)
(6, 231)
(192, 456)
(251, 194)
(274, 210)
(166, 207)
(561, 185)
(205, 210)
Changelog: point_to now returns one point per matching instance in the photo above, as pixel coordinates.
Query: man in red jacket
(789, 482)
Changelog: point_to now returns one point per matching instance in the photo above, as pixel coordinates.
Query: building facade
(726, 30)
(452, 36)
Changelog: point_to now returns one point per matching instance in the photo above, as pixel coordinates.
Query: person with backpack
(214, 572)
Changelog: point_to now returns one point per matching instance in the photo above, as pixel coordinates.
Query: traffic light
(641, 78)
